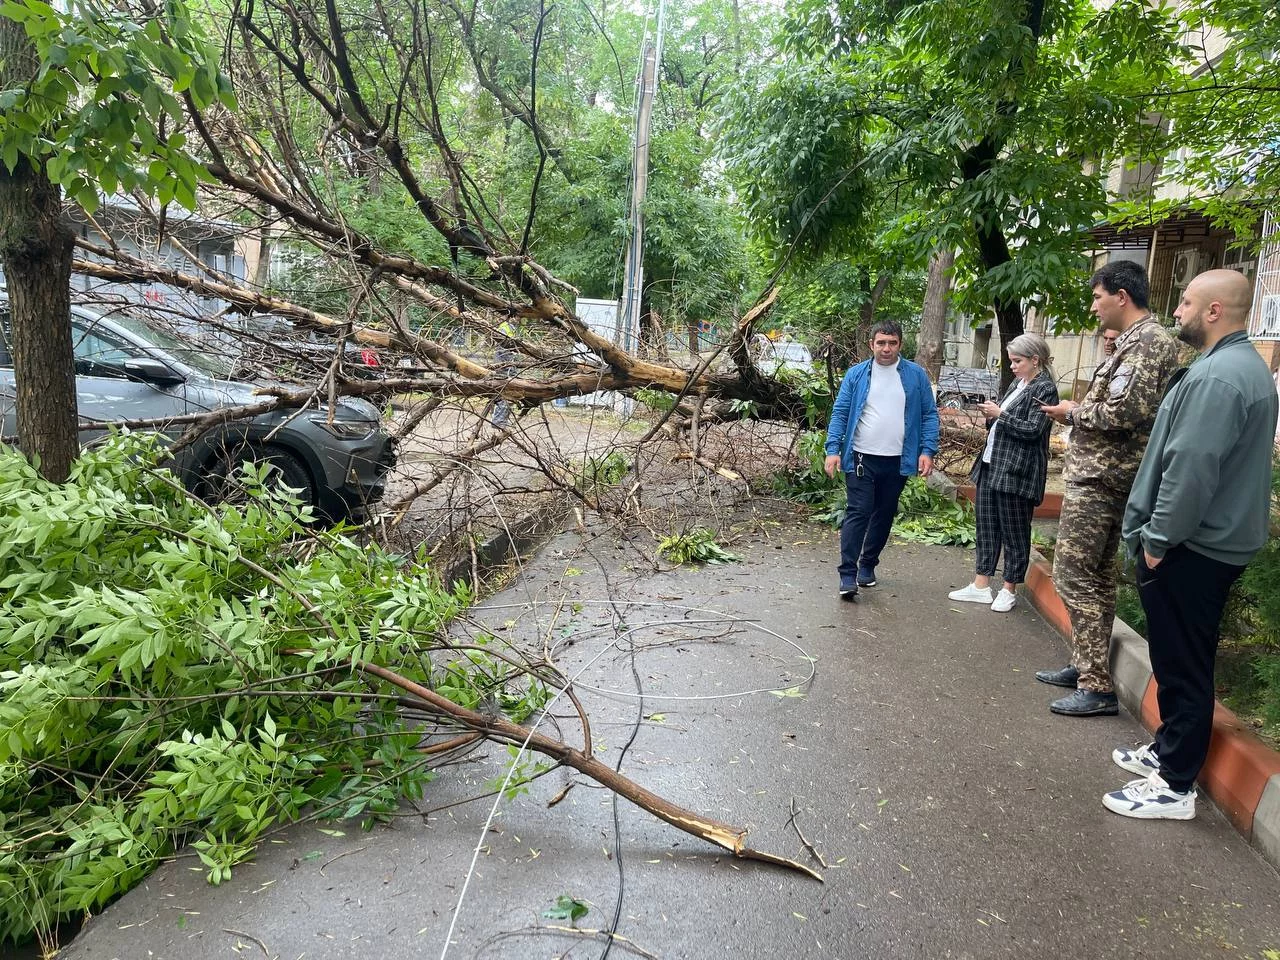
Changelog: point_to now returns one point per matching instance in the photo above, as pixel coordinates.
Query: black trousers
(1004, 521)
(873, 485)
(1183, 598)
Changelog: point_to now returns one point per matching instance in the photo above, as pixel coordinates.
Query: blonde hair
(1033, 347)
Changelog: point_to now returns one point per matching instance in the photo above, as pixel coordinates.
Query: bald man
(1198, 512)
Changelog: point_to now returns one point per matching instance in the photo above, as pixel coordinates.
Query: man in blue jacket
(883, 429)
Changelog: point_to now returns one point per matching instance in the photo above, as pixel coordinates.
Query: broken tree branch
(723, 835)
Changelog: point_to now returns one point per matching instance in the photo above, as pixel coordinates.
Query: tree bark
(936, 297)
(35, 252)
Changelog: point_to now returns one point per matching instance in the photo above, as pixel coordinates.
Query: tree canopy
(991, 125)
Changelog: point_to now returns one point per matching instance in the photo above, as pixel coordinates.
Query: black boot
(1087, 703)
(1068, 676)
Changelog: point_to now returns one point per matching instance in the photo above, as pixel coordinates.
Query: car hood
(209, 394)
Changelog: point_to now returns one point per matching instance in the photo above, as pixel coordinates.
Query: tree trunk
(35, 252)
(1012, 324)
(993, 247)
(937, 294)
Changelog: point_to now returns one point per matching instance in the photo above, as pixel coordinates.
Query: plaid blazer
(1020, 455)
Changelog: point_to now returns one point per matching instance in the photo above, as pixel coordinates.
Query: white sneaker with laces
(1151, 799)
(972, 594)
(1141, 760)
(1004, 601)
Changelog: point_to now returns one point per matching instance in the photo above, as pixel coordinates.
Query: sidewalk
(959, 818)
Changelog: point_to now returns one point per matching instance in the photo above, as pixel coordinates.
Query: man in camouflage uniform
(1109, 431)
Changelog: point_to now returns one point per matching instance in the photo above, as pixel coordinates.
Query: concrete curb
(1241, 774)
(522, 536)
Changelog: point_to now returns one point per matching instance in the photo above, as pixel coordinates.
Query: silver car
(128, 370)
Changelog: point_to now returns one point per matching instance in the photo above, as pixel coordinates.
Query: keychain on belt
(857, 470)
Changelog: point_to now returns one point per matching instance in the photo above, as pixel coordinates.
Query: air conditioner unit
(950, 352)
(1269, 316)
(1186, 265)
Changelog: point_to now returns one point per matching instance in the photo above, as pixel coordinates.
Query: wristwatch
(1071, 417)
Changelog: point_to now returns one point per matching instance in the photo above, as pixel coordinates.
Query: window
(97, 353)
(6, 356)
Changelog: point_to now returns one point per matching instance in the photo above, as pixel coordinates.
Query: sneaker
(1142, 760)
(1004, 601)
(972, 594)
(1087, 703)
(1151, 799)
(848, 590)
(866, 578)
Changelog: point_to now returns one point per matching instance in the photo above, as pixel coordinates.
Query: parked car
(128, 370)
(278, 345)
(963, 387)
(778, 355)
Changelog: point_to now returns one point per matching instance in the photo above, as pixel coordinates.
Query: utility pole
(633, 272)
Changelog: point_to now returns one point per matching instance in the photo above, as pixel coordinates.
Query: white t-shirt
(1018, 386)
(882, 427)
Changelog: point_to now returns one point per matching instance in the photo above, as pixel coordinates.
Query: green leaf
(567, 908)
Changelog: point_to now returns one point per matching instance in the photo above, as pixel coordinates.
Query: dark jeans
(873, 502)
(1183, 598)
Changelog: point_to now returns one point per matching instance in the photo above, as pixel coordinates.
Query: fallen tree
(338, 99)
(177, 676)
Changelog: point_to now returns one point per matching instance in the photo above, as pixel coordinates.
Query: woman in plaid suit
(1010, 473)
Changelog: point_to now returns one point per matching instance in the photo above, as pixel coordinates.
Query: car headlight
(344, 429)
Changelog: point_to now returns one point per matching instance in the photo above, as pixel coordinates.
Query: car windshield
(192, 356)
(793, 351)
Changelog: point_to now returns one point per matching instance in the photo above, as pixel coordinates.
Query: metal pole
(633, 272)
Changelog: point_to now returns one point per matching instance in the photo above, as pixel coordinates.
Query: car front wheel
(286, 469)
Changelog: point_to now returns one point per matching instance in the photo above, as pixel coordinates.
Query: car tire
(287, 469)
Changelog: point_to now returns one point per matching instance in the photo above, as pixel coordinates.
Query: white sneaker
(1004, 601)
(1151, 799)
(971, 594)
(1142, 760)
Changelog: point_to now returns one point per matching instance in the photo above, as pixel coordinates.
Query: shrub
(171, 674)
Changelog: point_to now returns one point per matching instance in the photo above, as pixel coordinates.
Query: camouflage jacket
(1113, 421)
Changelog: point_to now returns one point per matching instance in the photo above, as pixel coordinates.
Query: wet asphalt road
(957, 816)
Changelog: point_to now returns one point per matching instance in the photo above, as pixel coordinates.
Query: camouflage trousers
(1084, 573)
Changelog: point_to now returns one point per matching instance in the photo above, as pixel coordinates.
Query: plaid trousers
(1004, 520)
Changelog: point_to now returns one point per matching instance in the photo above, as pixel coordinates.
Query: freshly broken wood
(724, 835)
(708, 465)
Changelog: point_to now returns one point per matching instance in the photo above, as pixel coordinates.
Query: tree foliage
(166, 677)
(1002, 117)
(1224, 113)
(105, 107)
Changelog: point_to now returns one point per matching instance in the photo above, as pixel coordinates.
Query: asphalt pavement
(955, 816)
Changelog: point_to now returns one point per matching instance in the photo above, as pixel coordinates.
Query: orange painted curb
(1049, 509)
(1238, 768)
(1239, 765)
(1045, 598)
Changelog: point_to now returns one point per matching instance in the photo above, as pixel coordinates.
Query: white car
(776, 355)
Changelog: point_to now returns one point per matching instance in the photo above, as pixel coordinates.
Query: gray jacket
(1205, 479)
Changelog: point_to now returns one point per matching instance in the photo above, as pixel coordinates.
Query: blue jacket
(921, 435)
